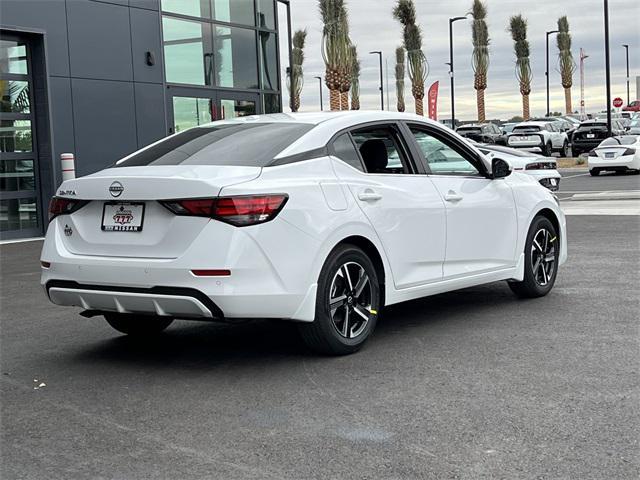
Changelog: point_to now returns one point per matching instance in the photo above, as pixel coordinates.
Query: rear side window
(346, 151)
(241, 144)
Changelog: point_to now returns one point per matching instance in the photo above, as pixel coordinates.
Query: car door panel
(480, 211)
(405, 210)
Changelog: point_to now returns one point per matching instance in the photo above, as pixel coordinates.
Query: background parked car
(591, 132)
(544, 169)
(616, 154)
(543, 136)
(634, 126)
(632, 107)
(480, 132)
(563, 124)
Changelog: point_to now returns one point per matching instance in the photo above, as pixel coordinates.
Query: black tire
(565, 150)
(539, 263)
(137, 325)
(594, 172)
(323, 335)
(547, 151)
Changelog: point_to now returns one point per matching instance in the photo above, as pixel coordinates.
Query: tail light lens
(593, 153)
(629, 151)
(240, 211)
(64, 206)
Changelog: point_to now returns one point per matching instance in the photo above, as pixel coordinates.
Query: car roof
(473, 125)
(327, 124)
(535, 123)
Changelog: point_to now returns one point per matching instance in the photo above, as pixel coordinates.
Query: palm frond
(480, 39)
(566, 65)
(405, 12)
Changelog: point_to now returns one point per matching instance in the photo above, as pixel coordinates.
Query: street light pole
(320, 83)
(379, 53)
(607, 64)
(626, 47)
(547, 70)
(453, 93)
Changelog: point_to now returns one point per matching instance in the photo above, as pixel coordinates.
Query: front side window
(441, 158)
(238, 144)
(346, 151)
(381, 151)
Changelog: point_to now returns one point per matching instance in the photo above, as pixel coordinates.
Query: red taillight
(64, 206)
(240, 211)
(211, 273)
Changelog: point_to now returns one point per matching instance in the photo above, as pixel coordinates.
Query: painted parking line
(601, 207)
(21, 240)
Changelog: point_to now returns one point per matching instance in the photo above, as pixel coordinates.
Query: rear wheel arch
(368, 247)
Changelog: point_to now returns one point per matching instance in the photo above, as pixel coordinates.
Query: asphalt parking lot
(470, 384)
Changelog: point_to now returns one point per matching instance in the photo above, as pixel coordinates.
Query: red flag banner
(433, 100)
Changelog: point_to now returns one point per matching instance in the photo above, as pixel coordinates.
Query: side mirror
(500, 168)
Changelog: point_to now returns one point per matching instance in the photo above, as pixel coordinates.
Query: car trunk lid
(124, 217)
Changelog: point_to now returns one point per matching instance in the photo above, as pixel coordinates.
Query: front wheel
(541, 252)
(137, 325)
(547, 151)
(594, 173)
(347, 303)
(565, 150)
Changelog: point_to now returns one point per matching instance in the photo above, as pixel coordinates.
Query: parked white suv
(543, 136)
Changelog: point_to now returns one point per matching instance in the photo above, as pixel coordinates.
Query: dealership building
(102, 78)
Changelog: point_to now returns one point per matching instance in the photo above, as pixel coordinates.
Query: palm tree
(336, 49)
(355, 79)
(565, 60)
(480, 53)
(518, 29)
(405, 13)
(400, 70)
(296, 78)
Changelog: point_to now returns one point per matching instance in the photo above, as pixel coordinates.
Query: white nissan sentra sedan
(323, 219)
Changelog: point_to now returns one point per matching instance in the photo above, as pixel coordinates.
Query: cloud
(373, 28)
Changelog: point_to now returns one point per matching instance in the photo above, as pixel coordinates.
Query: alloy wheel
(350, 300)
(543, 256)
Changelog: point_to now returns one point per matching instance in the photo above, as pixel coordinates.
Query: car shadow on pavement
(193, 345)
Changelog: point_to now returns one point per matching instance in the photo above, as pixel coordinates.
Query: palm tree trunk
(420, 107)
(295, 103)
(525, 107)
(334, 99)
(344, 100)
(480, 101)
(401, 105)
(355, 103)
(567, 100)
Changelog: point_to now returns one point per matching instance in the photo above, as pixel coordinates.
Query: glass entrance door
(19, 215)
(190, 107)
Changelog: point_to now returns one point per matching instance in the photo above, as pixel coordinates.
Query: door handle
(452, 196)
(369, 196)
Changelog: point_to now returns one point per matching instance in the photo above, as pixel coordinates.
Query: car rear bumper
(263, 281)
(623, 163)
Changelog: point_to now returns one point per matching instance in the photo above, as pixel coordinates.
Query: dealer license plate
(122, 217)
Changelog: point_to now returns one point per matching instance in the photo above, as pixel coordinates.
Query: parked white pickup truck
(545, 137)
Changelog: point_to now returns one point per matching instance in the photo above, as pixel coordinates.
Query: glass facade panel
(187, 51)
(17, 175)
(235, 58)
(13, 57)
(18, 214)
(15, 136)
(237, 108)
(269, 60)
(234, 11)
(190, 112)
(193, 8)
(14, 96)
(266, 14)
(271, 103)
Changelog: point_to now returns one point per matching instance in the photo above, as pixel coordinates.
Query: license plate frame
(135, 228)
(609, 155)
(591, 135)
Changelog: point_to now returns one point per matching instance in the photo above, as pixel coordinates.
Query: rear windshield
(626, 140)
(587, 126)
(242, 144)
(526, 128)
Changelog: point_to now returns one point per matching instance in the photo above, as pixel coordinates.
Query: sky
(372, 27)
